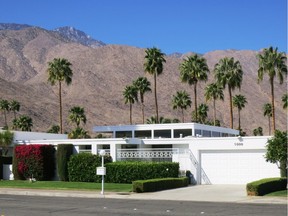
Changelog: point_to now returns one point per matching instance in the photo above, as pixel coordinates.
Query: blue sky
(171, 25)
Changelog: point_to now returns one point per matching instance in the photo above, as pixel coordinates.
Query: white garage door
(235, 166)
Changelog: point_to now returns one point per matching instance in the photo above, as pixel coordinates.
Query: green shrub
(82, 167)
(127, 172)
(152, 185)
(265, 186)
(16, 174)
(64, 151)
(35, 161)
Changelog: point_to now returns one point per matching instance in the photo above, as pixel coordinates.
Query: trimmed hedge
(265, 186)
(152, 185)
(37, 161)
(127, 171)
(64, 151)
(82, 167)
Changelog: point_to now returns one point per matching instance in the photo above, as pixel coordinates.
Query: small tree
(277, 151)
(6, 139)
(54, 129)
(63, 154)
(258, 131)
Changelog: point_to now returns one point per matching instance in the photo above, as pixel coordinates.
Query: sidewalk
(199, 193)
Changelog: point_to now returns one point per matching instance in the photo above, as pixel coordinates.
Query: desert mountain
(100, 74)
(79, 36)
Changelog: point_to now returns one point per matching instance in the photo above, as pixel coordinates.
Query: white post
(102, 192)
(102, 153)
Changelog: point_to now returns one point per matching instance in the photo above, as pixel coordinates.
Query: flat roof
(142, 127)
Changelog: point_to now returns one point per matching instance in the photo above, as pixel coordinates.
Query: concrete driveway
(211, 193)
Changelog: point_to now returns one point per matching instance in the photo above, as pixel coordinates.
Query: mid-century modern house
(214, 155)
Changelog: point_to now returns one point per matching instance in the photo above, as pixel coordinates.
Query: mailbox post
(102, 170)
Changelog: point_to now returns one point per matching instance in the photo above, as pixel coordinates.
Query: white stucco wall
(236, 160)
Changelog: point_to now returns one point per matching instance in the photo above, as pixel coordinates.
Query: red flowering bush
(35, 161)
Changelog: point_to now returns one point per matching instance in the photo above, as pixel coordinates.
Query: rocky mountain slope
(100, 74)
(79, 36)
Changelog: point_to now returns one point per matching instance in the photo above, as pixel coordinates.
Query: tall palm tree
(273, 63)
(192, 70)
(14, 106)
(59, 70)
(229, 72)
(153, 65)
(142, 84)
(214, 91)
(4, 107)
(203, 112)
(181, 100)
(77, 115)
(267, 108)
(239, 102)
(24, 123)
(130, 96)
(285, 101)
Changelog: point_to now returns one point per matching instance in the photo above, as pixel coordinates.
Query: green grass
(59, 185)
(282, 193)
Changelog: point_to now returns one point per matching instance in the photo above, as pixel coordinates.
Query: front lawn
(60, 185)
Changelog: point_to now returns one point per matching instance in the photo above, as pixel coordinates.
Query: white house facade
(214, 155)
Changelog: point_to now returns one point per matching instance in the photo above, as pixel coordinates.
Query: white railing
(146, 153)
(196, 165)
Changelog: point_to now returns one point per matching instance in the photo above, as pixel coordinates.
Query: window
(215, 134)
(198, 132)
(143, 134)
(184, 132)
(162, 134)
(84, 148)
(206, 133)
(122, 134)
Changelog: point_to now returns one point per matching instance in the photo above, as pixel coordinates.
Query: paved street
(19, 205)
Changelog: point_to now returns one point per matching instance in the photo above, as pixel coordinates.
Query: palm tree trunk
(5, 118)
(60, 108)
(195, 102)
(273, 106)
(231, 108)
(269, 124)
(142, 107)
(182, 115)
(214, 111)
(130, 113)
(155, 94)
(143, 121)
(239, 123)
